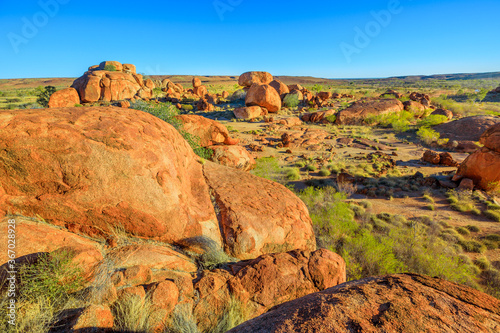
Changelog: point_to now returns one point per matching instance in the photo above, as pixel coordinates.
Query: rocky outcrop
(67, 97)
(281, 88)
(394, 303)
(232, 156)
(209, 131)
(258, 216)
(264, 96)
(249, 78)
(359, 111)
(491, 138)
(111, 81)
(442, 112)
(466, 129)
(249, 112)
(94, 169)
(267, 281)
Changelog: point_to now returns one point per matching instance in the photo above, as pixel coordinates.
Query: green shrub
(134, 314)
(432, 120)
(472, 246)
(291, 101)
(293, 174)
(427, 135)
(268, 167)
(300, 164)
(110, 67)
(324, 172)
(187, 107)
(331, 118)
(493, 237)
(44, 94)
(463, 231)
(472, 228)
(492, 214)
(482, 262)
(311, 167)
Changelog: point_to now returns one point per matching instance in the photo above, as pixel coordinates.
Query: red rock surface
(209, 131)
(233, 156)
(466, 129)
(416, 107)
(394, 303)
(442, 112)
(264, 96)
(491, 138)
(249, 112)
(33, 238)
(92, 317)
(196, 82)
(358, 111)
(249, 78)
(280, 87)
(258, 216)
(93, 169)
(267, 281)
(483, 167)
(67, 97)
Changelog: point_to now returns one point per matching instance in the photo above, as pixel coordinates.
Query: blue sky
(333, 39)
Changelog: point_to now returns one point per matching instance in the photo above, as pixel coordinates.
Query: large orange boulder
(258, 216)
(468, 128)
(393, 303)
(209, 131)
(232, 156)
(264, 96)
(267, 281)
(280, 87)
(196, 82)
(249, 78)
(491, 138)
(359, 111)
(249, 112)
(92, 170)
(67, 97)
(483, 167)
(110, 65)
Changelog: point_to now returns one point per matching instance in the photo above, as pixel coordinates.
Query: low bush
(291, 101)
(493, 214)
(293, 174)
(268, 167)
(432, 120)
(427, 135)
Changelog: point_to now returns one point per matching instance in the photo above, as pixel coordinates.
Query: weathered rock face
(267, 281)
(258, 216)
(358, 111)
(442, 112)
(280, 87)
(209, 131)
(466, 129)
(394, 303)
(93, 169)
(483, 167)
(491, 138)
(264, 96)
(417, 108)
(196, 82)
(34, 238)
(99, 84)
(67, 97)
(249, 112)
(249, 78)
(233, 156)
(319, 117)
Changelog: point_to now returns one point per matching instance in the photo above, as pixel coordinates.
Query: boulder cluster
(265, 94)
(109, 81)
